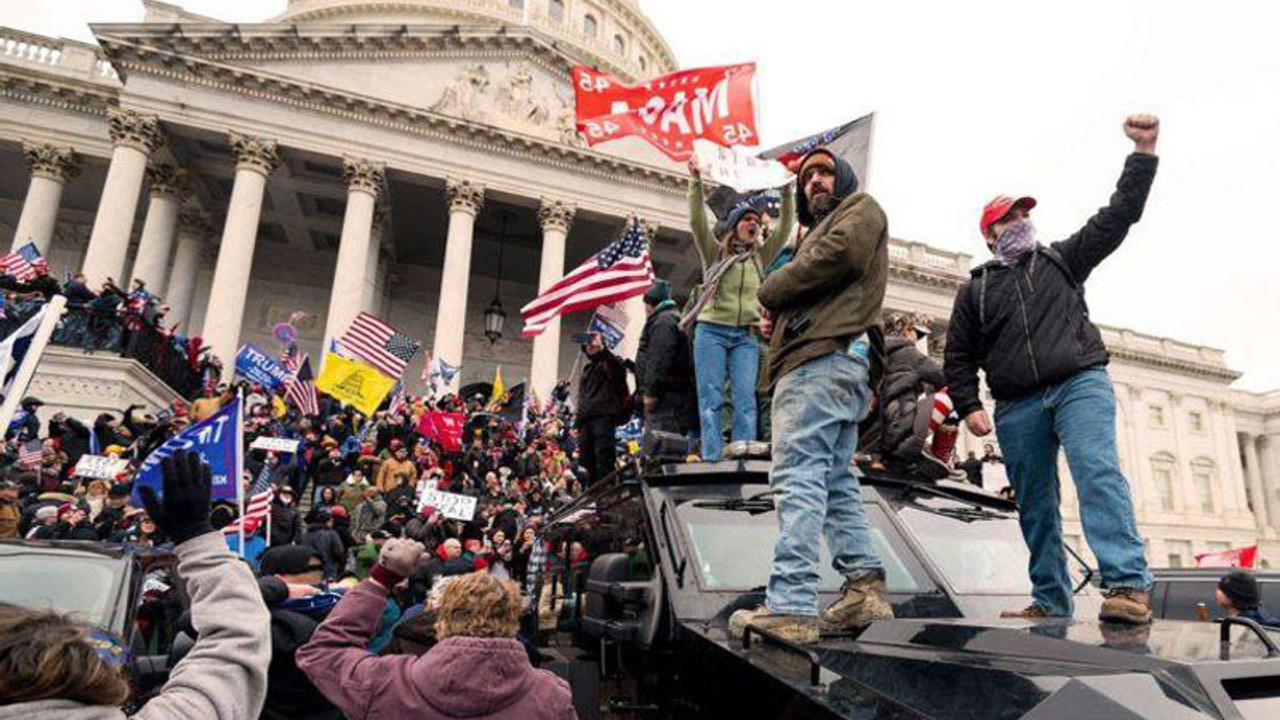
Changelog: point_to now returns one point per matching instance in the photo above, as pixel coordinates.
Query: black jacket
(290, 693)
(328, 545)
(602, 390)
(906, 368)
(1027, 326)
(664, 366)
(286, 525)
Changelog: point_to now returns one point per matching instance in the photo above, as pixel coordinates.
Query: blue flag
(218, 442)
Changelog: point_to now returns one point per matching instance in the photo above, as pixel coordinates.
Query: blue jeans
(816, 411)
(718, 349)
(1078, 415)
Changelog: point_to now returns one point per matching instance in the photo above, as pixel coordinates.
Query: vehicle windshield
(733, 550)
(980, 553)
(79, 586)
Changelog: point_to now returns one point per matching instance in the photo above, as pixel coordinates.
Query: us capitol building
(427, 148)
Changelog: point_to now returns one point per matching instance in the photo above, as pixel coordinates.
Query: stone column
(364, 181)
(1268, 448)
(1190, 493)
(370, 299)
(170, 187)
(465, 200)
(556, 217)
(194, 229)
(1253, 475)
(255, 159)
(51, 166)
(135, 137)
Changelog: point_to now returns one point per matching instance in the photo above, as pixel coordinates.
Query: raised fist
(1143, 131)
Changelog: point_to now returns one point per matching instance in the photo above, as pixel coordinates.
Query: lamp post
(495, 316)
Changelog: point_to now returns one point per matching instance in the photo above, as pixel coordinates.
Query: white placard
(742, 172)
(450, 505)
(282, 445)
(99, 467)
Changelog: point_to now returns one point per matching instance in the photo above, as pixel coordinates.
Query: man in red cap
(1023, 321)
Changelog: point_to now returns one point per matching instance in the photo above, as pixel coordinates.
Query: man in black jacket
(1022, 319)
(664, 366)
(602, 406)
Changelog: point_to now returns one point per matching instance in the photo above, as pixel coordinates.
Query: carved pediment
(512, 94)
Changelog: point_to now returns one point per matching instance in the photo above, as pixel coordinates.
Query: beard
(821, 206)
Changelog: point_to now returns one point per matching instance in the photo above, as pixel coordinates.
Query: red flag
(1238, 557)
(714, 103)
(444, 428)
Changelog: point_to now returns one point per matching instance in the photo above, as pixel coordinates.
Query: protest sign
(742, 172)
(610, 321)
(354, 383)
(715, 103)
(217, 439)
(100, 468)
(275, 444)
(256, 366)
(450, 505)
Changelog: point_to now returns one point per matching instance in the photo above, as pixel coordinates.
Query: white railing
(26, 47)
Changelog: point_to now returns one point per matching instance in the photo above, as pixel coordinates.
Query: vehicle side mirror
(619, 609)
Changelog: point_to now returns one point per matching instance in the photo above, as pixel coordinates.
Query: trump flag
(217, 439)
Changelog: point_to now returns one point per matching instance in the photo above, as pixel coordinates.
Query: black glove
(184, 511)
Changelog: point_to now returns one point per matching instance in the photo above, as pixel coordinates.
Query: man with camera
(825, 304)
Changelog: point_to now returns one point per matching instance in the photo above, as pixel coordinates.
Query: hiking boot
(1126, 605)
(1034, 611)
(796, 628)
(861, 601)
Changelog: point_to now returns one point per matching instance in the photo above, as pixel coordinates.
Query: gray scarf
(711, 277)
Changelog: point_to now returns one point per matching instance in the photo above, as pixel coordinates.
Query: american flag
(256, 508)
(399, 400)
(30, 453)
(377, 343)
(21, 262)
(300, 388)
(620, 271)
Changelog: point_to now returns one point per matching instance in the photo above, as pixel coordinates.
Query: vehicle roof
(1212, 573)
(65, 547)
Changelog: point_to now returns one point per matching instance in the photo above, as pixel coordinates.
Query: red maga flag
(443, 427)
(1237, 557)
(715, 103)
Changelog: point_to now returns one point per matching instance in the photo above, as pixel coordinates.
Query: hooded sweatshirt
(224, 677)
(461, 677)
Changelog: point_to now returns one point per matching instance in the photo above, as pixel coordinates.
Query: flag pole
(39, 341)
(240, 462)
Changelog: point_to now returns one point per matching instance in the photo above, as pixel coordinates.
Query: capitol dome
(611, 34)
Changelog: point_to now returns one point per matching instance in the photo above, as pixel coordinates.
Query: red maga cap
(1000, 206)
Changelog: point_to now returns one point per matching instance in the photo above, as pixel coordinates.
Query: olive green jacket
(735, 303)
(837, 280)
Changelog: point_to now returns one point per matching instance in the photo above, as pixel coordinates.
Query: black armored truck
(648, 565)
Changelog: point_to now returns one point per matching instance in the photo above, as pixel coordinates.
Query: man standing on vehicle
(664, 367)
(602, 406)
(826, 304)
(1022, 319)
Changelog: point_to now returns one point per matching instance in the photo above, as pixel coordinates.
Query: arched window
(644, 64)
(1205, 474)
(555, 9)
(589, 26)
(1163, 466)
(619, 45)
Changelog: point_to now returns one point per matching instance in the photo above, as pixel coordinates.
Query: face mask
(1017, 239)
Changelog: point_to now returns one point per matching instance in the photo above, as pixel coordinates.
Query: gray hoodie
(224, 677)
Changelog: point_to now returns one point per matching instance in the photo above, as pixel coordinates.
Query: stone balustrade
(65, 57)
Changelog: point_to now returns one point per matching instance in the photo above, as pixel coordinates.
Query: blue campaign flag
(256, 366)
(218, 442)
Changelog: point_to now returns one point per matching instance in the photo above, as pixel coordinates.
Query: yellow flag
(499, 388)
(353, 383)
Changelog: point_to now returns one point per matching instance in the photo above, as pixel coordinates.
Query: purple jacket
(461, 677)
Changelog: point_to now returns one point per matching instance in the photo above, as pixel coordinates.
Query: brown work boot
(1126, 605)
(1034, 611)
(861, 601)
(796, 628)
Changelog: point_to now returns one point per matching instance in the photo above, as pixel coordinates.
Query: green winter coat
(735, 303)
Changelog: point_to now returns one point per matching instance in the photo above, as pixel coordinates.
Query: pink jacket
(461, 677)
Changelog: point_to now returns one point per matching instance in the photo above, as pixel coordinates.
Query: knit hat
(1241, 588)
(659, 293)
(47, 512)
(65, 508)
(119, 490)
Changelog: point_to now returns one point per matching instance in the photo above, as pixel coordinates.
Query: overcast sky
(979, 98)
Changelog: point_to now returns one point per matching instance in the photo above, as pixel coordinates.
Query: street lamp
(494, 315)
